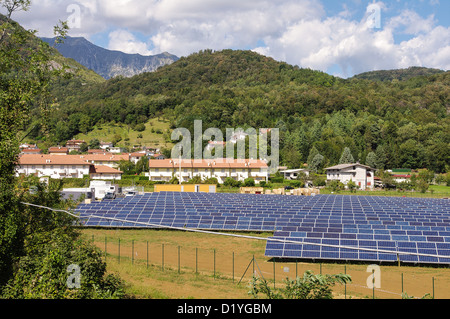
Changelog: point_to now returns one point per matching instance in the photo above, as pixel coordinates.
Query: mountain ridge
(110, 63)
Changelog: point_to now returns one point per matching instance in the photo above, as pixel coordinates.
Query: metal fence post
(345, 284)
(233, 266)
(432, 280)
(178, 259)
(162, 257)
(273, 273)
(402, 285)
(373, 283)
(253, 265)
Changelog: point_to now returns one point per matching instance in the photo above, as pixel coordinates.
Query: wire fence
(368, 281)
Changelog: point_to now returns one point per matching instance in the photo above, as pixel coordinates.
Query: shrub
(309, 286)
(230, 182)
(278, 180)
(336, 186)
(211, 180)
(140, 127)
(297, 184)
(249, 182)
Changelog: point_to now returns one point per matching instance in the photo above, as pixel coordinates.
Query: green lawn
(435, 191)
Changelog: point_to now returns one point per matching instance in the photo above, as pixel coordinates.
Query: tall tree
(371, 160)
(346, 156)
(381, 157)
(25, 75)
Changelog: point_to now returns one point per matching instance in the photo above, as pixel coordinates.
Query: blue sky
(342, 38)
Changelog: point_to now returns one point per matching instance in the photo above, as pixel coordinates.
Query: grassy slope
(106, 132)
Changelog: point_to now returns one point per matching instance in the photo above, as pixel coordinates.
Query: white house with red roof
(164, 170)
(362, 175)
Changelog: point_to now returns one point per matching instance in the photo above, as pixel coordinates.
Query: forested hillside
(399, 75)
(403, 123)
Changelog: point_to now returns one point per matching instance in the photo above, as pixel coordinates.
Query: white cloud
(412, 23)
(295, 31)
(125, 41)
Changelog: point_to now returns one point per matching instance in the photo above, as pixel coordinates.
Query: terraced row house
(239, 170)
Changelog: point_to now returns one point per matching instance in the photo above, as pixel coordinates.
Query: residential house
(28, 146)
(116, 150)
(135, 157)
(106, 145)
(164, 170)
(293, 174)
(58, 150)
(69, 166)
(108, 159)
(30, 151)
(213, 144)
(159, 156)
(96, 151)
(104, 172)
(53, 166)
(74, 145)
(362, 175)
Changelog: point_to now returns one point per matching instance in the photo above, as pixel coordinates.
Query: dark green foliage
(249, 182)
(346, 157)
(309, 286)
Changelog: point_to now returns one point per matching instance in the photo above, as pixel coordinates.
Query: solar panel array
(328, 227)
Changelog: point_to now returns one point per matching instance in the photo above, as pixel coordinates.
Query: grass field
(209, 266)
(435, 191)
(152, 136)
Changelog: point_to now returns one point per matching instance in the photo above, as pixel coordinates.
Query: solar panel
(372, 222)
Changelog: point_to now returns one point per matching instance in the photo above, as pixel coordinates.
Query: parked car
(109, 196)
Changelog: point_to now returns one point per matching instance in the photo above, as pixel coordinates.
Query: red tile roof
(36, 159)
(58, 149)
(103, 169)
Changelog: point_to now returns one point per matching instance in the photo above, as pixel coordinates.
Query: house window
(156, 170)
(61, 167)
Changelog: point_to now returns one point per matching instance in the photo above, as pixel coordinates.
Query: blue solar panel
(371, 222)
